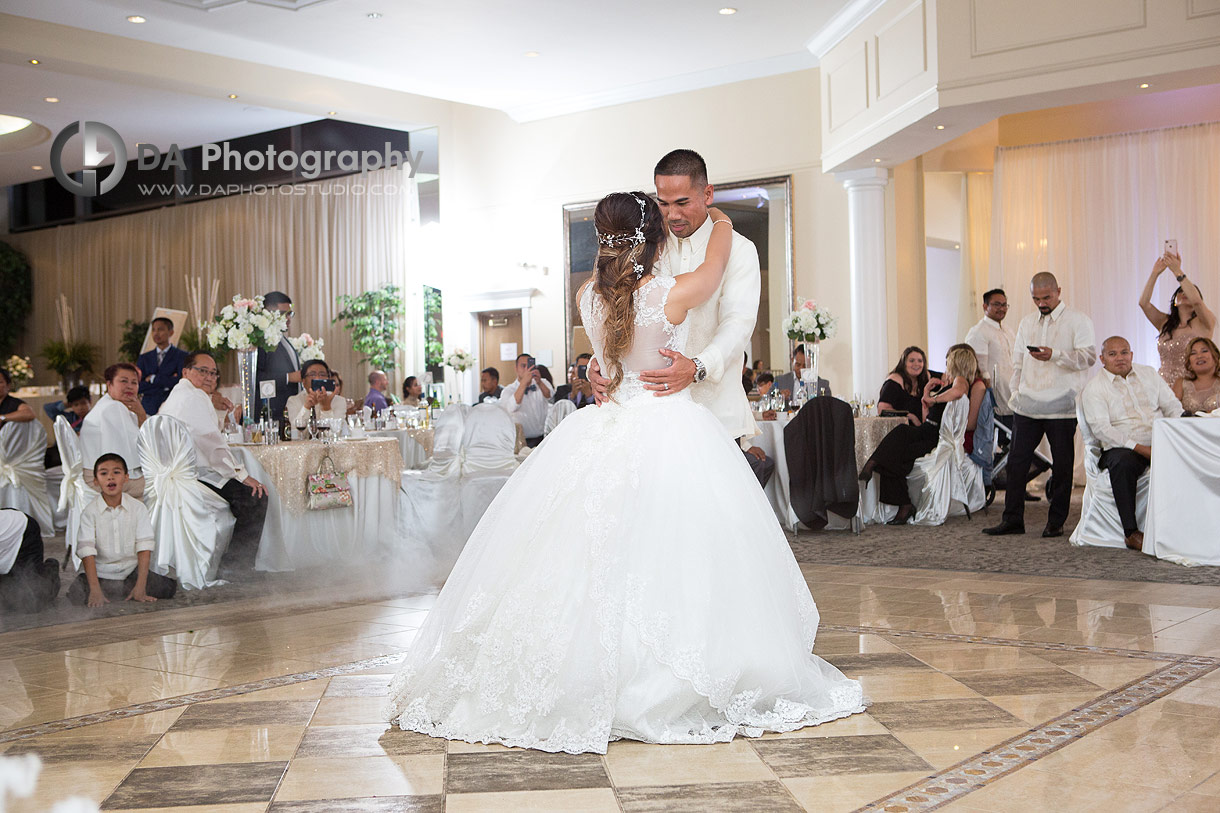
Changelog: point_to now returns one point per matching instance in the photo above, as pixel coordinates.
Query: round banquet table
(415, 444)
(295, 536)
(1184, 490)
(869, 432)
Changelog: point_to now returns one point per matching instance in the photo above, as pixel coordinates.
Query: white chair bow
(555, 413)
(23, 480)
(192, 524)
(74, 495)
(1100, 523)
(946, 482)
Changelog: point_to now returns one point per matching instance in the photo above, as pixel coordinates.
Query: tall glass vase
(245, 370)
(809, 376)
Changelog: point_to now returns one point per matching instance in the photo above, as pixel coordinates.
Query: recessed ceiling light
(232, 95)
(36, 166)
(957, 245)
(51, 99)
(726, 11)
(11, 124)
(332, 112)
(136, 18)
(1144, 86)
(33, 61)
(374, 15)
(531, 54)
(940, 127)
(876, 160)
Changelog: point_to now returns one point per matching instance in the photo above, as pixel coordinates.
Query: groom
(720, 328)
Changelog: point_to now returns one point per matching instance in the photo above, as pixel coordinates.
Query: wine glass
(870, 406)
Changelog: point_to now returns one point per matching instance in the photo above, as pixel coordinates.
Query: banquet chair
(74, 495)
(192, 524)
(429, 507)
(555, 413)
(487, 462)
(946, 482)
(23, 480)
(820, 453)
(1099, 521)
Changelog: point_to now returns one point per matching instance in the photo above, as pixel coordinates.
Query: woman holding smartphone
(1189, 317)
(317, 395)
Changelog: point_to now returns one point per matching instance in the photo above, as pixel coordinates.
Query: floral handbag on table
(328, 489)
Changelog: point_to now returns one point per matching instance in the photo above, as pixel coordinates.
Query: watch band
(700, 370)
(1180, 277)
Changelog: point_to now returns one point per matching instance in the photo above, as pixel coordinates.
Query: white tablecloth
(869, 432)
(296, 539)
(1184, 496)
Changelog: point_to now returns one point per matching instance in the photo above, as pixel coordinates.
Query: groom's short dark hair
(683, 162)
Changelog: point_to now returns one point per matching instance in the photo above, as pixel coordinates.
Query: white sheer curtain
(1096, 212)
(341, 236)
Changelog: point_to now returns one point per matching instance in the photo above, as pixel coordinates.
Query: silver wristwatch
(700, 370)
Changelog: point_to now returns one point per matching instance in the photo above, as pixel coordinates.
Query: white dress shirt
(300, 413)
(720, 328)
(214, 462)
(1120, 409)
(110, 428)
(114, 535)
(993, 343)
(12, 531)
(1048, 389)
(531, 412)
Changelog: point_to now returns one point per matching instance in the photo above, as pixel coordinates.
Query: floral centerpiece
(460, 360)
(246, 325)
(810, 324)
(20, 369)
(308, 348)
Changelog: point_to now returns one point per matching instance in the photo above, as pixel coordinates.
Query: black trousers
(250, 513)
(1027, 433)
(763, 469)
(32, 583)
(533, 442)
(1125, 467)
(155, 585)
(895, 456)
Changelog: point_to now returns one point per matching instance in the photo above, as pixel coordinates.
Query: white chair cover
(74, 495)
(488, 462)
(429, 509)
(192, 524)
(946, 482)
(1099, 521)
(556, 413)
(23, 480)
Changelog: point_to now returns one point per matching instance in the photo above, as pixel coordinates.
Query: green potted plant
(17, 283)
(72, 360)
(372, 318)
(133, 340)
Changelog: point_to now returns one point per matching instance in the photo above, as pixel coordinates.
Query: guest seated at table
(902, 390)
(113, 426)
(115, 544)
(764, 383)
(1199, 388)
(895, 456)
(1119, 404)
(788, 382)
(578, 390)
(76, 406)
(413, 391)
(191, 403)
(489, 384)
(379, 385)
(545, 372)
(320, 400)
(12, 409)
(28, 582)
(353, 406)
(1188, 317)
(161, 367)
(977, 388)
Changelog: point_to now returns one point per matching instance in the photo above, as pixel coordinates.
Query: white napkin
(1215, 413)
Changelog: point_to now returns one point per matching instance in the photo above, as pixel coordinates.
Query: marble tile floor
(990, 692)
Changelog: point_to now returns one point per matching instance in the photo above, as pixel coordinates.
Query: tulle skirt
(629, 581)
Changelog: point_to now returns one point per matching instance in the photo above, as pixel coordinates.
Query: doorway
(497, 329)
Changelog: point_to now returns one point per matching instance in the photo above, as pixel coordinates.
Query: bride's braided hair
(629, 237)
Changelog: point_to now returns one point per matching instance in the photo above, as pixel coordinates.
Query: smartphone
(322, 384)
(582, 372)
(530, 361)
(1033, 348)
(1171, 246)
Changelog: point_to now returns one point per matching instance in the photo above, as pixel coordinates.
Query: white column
(869, 318)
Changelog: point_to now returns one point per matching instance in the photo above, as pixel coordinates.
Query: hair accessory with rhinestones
(637, 239)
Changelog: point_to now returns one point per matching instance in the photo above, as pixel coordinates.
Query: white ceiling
(473, 51)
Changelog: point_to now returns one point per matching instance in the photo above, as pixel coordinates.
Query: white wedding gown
(629, 581)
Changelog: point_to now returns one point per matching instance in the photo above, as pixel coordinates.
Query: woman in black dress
(903, 388)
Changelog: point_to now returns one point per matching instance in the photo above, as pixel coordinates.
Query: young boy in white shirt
(115, 544)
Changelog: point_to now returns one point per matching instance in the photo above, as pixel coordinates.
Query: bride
(630, 580)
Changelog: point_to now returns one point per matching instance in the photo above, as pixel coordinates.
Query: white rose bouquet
(810, 323)
(244, 324)
(459, 360)
(308, 348)
(20, 369)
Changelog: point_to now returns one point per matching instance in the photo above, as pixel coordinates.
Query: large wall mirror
(761, 210)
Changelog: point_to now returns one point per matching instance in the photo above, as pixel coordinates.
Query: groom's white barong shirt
(721, 327)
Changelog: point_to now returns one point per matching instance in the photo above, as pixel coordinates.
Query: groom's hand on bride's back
(669, 380)
(598, 382)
